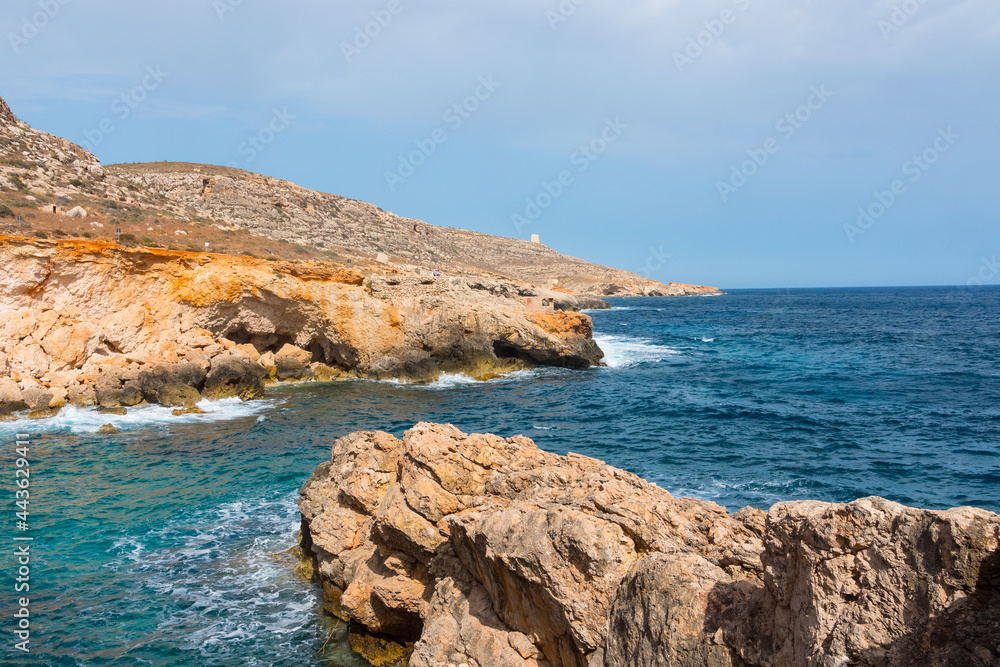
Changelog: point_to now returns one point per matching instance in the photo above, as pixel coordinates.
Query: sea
(167, 543)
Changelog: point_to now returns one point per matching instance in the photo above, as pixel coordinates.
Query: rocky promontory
(480, 551)
(93, 323)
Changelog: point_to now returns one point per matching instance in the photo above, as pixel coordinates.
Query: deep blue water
(163, 545)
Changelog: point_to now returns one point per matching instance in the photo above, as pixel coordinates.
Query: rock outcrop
(96, 323)
(481, 551)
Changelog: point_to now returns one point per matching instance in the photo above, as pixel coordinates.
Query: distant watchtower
(535, 238)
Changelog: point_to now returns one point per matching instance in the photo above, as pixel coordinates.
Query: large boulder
(173, 385)
(232, 376)
(292, 363)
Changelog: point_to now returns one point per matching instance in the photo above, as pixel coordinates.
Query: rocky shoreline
(97, 324)
(473, 550)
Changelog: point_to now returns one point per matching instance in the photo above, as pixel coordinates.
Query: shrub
(41, 235)
(18, 183)
(87, 235)
(127, 238)
(5, 211)
(76, 182)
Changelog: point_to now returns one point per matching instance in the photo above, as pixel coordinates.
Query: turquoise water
(164, 545)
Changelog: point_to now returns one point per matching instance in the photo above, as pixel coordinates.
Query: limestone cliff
(487, 552)
(97, 323)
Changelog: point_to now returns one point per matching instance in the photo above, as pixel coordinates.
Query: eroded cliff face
(485, 551)
(97, 323)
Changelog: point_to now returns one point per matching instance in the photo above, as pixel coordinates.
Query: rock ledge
(489, 552)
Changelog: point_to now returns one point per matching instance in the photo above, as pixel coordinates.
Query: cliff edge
(483, 551)
(96, 323)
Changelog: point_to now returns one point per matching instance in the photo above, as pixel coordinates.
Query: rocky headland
(448, 549)
(93, 323)
(170, 283)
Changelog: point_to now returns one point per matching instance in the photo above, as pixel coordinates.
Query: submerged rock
(488, 551)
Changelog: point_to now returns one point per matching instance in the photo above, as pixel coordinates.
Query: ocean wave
(226, 577)
(83, 421)
(453, 380)
(625, 351)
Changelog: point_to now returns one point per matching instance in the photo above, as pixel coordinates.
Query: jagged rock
(547, 538)
(107, 429)
(490, 551)
(874, 583)
(6, 115)
(231, 376)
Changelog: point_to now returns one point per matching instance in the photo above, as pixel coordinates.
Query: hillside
(191, 207)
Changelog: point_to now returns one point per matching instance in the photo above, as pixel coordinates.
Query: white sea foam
(625, 351)
(222, 570)
(453, 380)
(706, 339)
(81, 421)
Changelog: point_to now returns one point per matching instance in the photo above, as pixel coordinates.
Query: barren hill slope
(283, 210)
(186, 206)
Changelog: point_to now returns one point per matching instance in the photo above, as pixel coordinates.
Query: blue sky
(728, 142)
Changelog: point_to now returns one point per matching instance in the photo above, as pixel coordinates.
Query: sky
(735, 143)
